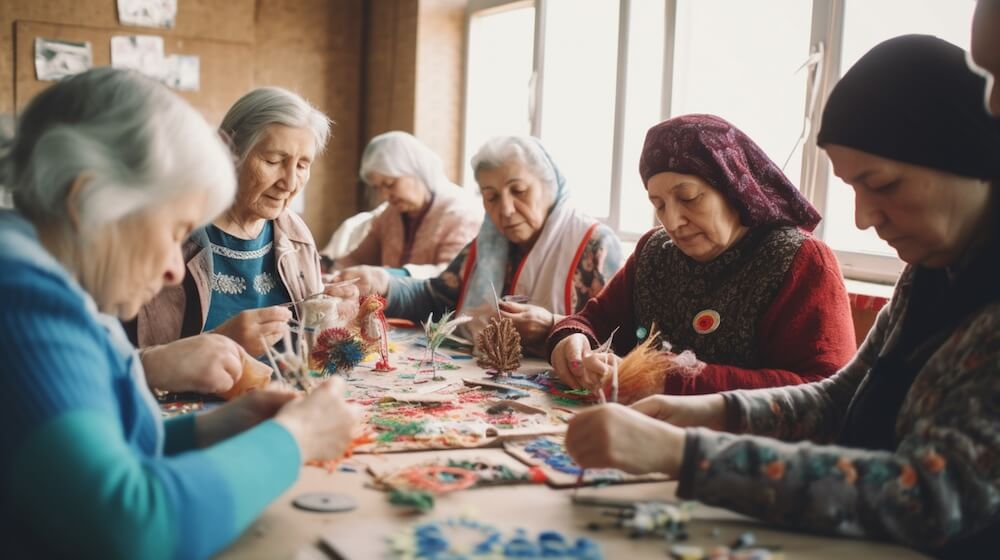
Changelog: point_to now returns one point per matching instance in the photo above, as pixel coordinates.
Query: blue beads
(431, 540)
(641, 333)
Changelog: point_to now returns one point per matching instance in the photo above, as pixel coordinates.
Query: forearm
(411, 298)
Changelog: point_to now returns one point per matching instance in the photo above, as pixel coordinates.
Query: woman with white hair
(535, 248)
(110, 172)
(428, 219)
(257, 255)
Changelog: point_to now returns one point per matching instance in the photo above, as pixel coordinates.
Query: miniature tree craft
(499, 347)
(437, 333)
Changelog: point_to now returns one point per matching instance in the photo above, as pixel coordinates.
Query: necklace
(232, 219)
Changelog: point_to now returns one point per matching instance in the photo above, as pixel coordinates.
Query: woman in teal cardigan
(109, 172)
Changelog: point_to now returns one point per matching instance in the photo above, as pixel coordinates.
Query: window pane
(501, 46)
(578, 97)
(643, 95)
(740, 61)
(866, 24)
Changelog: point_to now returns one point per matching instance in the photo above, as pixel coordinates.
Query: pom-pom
(336, 350)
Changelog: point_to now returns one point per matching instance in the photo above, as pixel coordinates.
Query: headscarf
(728, 160)
(913, 99)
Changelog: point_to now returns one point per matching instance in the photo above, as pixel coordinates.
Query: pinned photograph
(183, 72)
(55, 59)
(143, 53)
(148, 13)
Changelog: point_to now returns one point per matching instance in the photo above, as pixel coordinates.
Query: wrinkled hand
(250, 326)
(371, 279)
(567, 360)
(322, 422)
(206, 363)
(614, 436)
(239, 415)
(532, 322)
(690, 410)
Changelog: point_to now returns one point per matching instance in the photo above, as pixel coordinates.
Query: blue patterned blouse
(244, 275)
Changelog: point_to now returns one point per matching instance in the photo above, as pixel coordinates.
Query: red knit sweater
(806, 334)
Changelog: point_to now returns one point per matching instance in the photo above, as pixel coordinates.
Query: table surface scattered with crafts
(459, 463)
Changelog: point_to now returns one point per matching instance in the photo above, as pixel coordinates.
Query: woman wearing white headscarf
(535, 246)
(428, 218)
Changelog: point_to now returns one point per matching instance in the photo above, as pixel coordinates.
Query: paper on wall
(148, 13)
(55, 59)
(183, 72)
(143, 53)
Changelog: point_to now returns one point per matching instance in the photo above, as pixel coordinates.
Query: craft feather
(644, 370)
(437, 332)
(336, 350)
(499, 346)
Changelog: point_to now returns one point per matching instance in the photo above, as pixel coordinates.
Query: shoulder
(457, 204)
(292, 226)
(814, 254)
(654, 238)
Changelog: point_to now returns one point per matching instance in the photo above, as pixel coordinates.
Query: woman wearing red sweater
(733, 275)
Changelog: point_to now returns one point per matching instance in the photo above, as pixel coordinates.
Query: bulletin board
(227, 68)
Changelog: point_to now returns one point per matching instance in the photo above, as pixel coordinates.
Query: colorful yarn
(336, 350)
(435, 540)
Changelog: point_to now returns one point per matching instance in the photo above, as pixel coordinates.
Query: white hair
(134, 141)
(524, 150)
(248, 119)
(400, 154)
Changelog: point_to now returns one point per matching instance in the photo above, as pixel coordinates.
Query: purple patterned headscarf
(726, 158)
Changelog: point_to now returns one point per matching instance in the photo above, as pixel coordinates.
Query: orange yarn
(643, 371)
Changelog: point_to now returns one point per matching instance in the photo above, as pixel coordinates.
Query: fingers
(651, 406)
(273, 314)
(344, 291)
(584, 441)
(512, 307)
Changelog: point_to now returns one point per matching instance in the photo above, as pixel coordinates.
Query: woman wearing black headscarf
(911, 424)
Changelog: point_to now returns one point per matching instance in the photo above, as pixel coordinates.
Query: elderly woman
(428, 220)
(733, 275)
(257, 255)
(535, 248)
(910, 426)
(110, 172)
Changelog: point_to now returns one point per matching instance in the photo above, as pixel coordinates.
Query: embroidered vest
(671, 289)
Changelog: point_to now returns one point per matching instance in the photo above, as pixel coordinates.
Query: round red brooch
(706, 321)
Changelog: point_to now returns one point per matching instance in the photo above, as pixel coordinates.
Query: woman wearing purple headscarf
(733, 275)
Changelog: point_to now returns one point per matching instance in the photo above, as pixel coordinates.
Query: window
(604, 71)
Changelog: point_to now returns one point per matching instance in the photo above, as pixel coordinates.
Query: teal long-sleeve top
(88, 468)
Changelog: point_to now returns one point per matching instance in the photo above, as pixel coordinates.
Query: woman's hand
(567, 360)
(371, 279)
(206, 363)
(532, 322)
(614, 436)
(254, 328)
(322, 422)
(708, 411)
(239, 415)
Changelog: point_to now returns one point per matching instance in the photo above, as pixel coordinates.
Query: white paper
(54, 59)
(183, 72)
(143, 53)
(148, 13)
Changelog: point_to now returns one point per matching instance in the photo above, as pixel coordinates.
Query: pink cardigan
(452, 221)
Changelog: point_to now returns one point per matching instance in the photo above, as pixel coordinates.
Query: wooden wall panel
(440, 84)
(226, 68)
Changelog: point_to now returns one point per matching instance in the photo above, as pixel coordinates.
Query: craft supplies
(499, 347)
(374, 330)
(336, 350)
(464, 537)
(325, 502)
(549, 454)
(438, 332)
(643, 371)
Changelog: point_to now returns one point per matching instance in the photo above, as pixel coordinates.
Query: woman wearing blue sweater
(109, 173)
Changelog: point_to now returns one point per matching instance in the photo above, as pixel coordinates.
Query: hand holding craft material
(255, 376)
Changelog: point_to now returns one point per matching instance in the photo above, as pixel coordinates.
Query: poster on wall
(55, 59)
(143, 53)
(148, 13)
(183, 72)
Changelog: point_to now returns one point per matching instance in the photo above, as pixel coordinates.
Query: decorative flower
(775, 470)
(706, 322)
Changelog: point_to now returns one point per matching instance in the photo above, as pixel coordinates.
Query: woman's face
(929, 217)
(516, 200)
(699, 220)
(275, 171)
(128, 262)
(405, 194)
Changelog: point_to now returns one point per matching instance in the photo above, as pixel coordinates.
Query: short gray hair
(248, 119)
(400, 154)
(524, 150)
(136, 141)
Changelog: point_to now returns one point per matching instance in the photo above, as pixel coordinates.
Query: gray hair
(248, 119)
(135, 141)
(524, 150)
(400, 154)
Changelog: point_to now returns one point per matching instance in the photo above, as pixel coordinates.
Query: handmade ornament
(374, 330)
(437, 333)
(499, 347)
(644, 370)
(336, 350)
(255, 376)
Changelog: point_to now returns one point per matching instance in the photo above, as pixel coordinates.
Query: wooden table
(284, 531)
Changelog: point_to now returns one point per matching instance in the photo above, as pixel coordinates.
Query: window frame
(826, 39)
